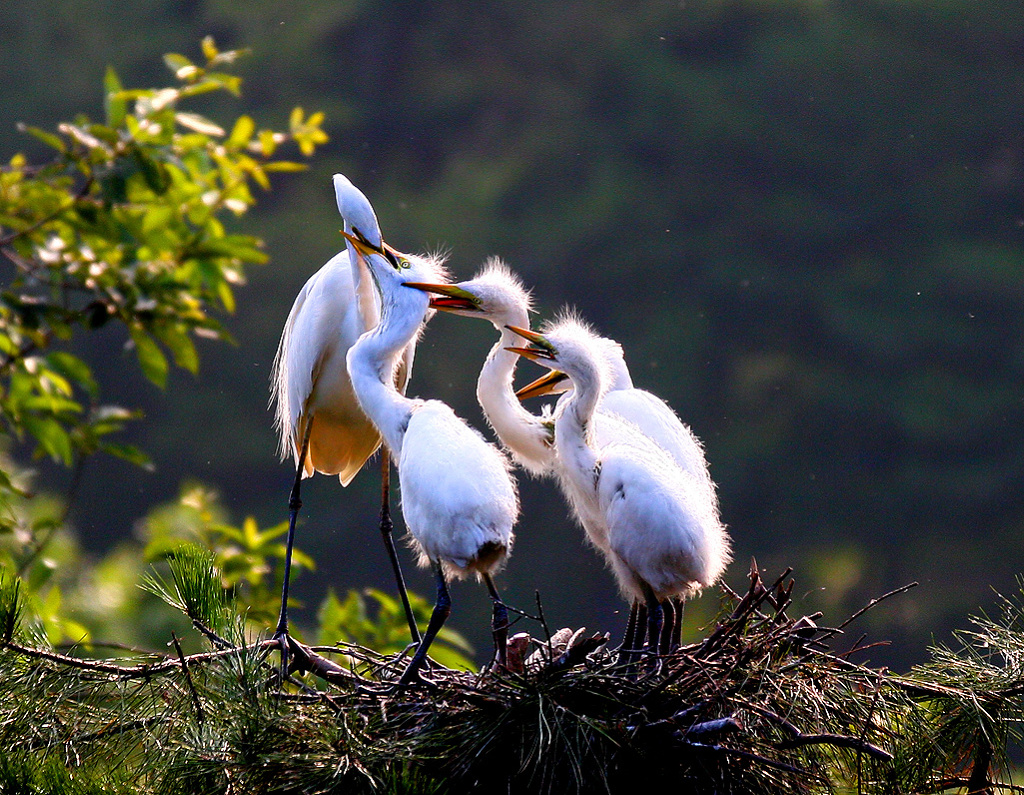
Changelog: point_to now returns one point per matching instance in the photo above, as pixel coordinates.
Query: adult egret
(664, 534)
(318, 419)
(458, 497)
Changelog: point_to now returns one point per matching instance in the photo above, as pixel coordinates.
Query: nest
(752, 708)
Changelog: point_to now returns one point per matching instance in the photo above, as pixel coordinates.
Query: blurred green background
(803, 219)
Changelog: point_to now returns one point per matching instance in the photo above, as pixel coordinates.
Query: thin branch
(763, 760)
(6, 240)
(200, 717)
(839, 741)
(902, 589)
(134, 671)
(798, 738)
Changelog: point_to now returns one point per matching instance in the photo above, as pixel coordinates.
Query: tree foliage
(124, 224)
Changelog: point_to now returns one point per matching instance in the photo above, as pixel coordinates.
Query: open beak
(361, 244)
(540, 349)
(365, 248)
(448, 297)
(545, 385)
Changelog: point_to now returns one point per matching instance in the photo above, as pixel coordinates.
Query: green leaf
(47, 138)
(227, 298)
(74, 369)
(51, 404)
(129, 453)
(175, 61)
(203, 87)
(301, 560)
(158, 216)
(268, 142)
(245, 247)
(285, 165)
(153, 171)
(151, 358)
(52, 438)
(12, 605)
(242, 132)
(194, 587)
(209, 48)
(177, 340)
(182, 67)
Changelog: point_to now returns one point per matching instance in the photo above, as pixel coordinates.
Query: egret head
(569, 346)
(494, 294)
(556, 382)
(391, 269)
(357, 211)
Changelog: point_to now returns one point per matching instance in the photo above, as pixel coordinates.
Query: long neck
(371, 366)
(574, 435)
(523, 433)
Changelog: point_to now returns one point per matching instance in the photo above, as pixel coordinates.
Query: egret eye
(404, 264)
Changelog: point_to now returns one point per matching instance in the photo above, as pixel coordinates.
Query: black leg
(499, 624)
(294, 504)
(668, 628)
(386, 531)
(634, 647)
(641, 627)
(677, 635)
(442, 609)
(629, 638)
(655, 619)
(627, 651)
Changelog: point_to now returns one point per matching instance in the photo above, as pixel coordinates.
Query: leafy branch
(124, 225)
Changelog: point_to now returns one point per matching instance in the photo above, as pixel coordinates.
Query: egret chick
(663, 531)
(495, 294)
(659, 423)
(458, 497)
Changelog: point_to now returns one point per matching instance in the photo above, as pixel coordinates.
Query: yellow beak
(545, 385)
(448, 296)
(544, 350)
(361, 244)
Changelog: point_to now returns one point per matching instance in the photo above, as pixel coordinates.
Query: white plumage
(496, 294)
(649, 413)
(458, 498)
(310, 379)
(661, 526)
(311, 389)
(317, 416)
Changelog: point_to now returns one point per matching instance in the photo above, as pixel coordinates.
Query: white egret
(659, 423)
(317, 416)
(664, 534)
(458, 497)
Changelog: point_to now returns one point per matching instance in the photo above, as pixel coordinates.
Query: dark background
(803, 219)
